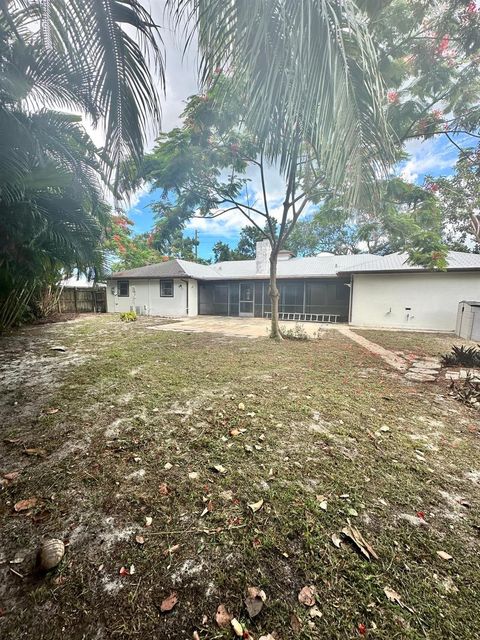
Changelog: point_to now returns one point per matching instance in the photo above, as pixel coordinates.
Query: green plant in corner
(128, 316)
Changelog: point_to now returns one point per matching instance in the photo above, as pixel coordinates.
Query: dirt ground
(201, 465)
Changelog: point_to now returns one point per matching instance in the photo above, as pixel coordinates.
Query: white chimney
(262, 257)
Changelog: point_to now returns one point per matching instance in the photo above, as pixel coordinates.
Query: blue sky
(433, 157)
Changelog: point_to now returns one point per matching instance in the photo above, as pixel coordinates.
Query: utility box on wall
(468, 320)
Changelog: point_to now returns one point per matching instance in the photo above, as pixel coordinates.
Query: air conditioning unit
(468, 320)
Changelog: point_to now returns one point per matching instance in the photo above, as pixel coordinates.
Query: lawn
(188, 430)
(418, 343)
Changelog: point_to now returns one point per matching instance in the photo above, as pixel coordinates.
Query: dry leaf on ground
(307, 596)
(256, 506)
(267, 637)
(237, 627)
(395, 597)
(218, 468)
(140, 539)
(163, 489)
(13, 475)
(337, 541)
(23, 505)
(169, 602)
(254, 601)
(148, 521)
(222, 617)
(314, 612)
(41, 453)
(444, 555)
(295, 623)
(353, 534)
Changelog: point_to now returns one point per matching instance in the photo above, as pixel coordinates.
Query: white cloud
(426, 157)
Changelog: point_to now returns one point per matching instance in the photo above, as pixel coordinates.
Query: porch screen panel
(291, 297)
(257, 310)
(267, 306)
(234, 300)
(205, 299)
(220, 299)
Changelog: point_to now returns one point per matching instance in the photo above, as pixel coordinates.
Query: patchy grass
(418, 343)
(131, 400)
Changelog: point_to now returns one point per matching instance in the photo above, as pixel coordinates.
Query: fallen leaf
(323, 505)
(352, 512)
(237, 627)
(58, 348)
(41, 453)
(52, 410)
(241, 406)
(256, 506)
(124, 571)
(384, 428)
(267, 637)
(295, 623)
(222, 617)
(195, 635)
(362, 629)
(23, 505)
(148, 521)
(132, 569)
(421, 515)
(167, 466)
(444, 555)
(307, 596)
(171, 550)
(337, 541)
(140, 539)
(193, 475)
(227, 495)
(254, 601)
(314, 612)
(208, 509)
(13, 475)
(356, 537)
(163, 489)
(395, 597)
(234, 432)
(169, 603)
(218, 468)
(248, 448)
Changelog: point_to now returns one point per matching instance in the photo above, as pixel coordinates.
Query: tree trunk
(275, 332)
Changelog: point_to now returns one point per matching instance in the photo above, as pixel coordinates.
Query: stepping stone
(420, 377)
(452, 375)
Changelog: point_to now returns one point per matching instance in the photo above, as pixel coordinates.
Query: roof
(318, 266)
(398, 263)
(323, 266)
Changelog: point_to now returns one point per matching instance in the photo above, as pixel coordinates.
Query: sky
(432, 157)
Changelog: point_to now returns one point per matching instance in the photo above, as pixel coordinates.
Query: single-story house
(365, 290)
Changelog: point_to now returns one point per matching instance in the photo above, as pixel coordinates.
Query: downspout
(351, 300)
(186, 283)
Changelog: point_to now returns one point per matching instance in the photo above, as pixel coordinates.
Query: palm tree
(308, 74)
(58, 57)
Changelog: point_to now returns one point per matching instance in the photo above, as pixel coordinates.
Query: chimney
(262, 257)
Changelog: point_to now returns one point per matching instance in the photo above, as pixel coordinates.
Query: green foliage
(57, 58)
(128, 316)
(462, 356)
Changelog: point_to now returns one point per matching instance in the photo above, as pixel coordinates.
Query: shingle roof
(315, 267)
(318, 266)
(398, 262)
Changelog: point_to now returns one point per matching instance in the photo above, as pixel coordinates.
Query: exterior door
(246, 299)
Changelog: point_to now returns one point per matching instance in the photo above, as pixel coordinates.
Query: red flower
(472, 7)
(392, 96)
(443, 45)
(362, 629)
(421, 514)
(432, 186)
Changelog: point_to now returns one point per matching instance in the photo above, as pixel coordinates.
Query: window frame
(123, 295)
(167, 295)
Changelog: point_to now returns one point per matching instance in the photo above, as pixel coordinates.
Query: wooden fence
(82, 300)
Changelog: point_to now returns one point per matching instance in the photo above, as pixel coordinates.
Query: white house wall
(413, 301)
(145, 295)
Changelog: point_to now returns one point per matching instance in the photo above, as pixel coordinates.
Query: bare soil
(127, 424)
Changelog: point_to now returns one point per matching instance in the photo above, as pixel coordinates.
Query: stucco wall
(145, 293)
(382, 300)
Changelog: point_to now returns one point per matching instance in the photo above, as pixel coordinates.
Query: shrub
(297, 333)
(462, 357)
(128, 316)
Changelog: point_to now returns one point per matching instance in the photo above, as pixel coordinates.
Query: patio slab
(236, 327)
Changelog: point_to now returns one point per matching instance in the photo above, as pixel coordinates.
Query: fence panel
(78, 300)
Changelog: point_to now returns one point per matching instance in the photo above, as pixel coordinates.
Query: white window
(166, 288)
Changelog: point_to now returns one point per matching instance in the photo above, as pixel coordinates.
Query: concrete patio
(237, 327)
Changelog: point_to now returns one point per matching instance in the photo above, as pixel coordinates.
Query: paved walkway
(388, 356)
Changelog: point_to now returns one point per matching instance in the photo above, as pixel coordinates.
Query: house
(365, 290)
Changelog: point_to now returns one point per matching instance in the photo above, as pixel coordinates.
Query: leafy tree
(222, 252)
(76, 57)
(201, 169)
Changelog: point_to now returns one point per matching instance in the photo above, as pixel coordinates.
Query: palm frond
(309, 70)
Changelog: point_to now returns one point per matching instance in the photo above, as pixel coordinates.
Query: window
(123, 289)
(166, 288)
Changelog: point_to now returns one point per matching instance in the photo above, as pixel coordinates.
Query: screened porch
(314, 300)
